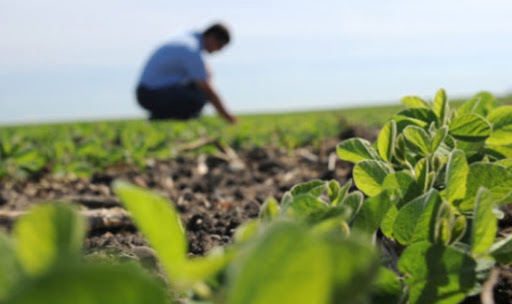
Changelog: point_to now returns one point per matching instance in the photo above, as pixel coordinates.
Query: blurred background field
(82, 148)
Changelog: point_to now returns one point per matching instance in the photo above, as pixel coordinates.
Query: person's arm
(210, 93)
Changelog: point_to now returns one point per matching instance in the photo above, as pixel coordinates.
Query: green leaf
(457, 170)
(403, 182)
(421, 117)
(501, 120)
(388, 221)
(418, 140)
(369, 175)
(48, 235)
(374, 209)
(425, 226)
(492, 176)
(269, 210)
(284, 261)
(315, 188)
(470, 127)
(10, 268)
(485, 223)
(480, 104)
(417, 218)
(356, 149)
(438, 138)
(421, 171)
(386, 140)
(387, 288)
(158, 220)
(92, 284)
(414, 102)
(502, 250)
(436, 273)
(354, 264)
(306, 207)
(441, 106)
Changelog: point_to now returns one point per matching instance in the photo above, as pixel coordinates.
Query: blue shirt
(177, 62)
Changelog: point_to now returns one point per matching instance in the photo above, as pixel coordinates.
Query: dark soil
(214, 194)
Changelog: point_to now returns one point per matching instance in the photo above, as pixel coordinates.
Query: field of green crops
(83, 148)
(425, 217)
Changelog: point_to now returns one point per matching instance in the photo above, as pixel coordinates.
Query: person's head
(215, 37)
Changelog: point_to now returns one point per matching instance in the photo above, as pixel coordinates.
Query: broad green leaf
(457, 170)
(441, 106)
(314, 188)
(388, 221)
(411, 215)
(502, 250)
(485, 223)
(354, 264)
(386, 140)
(158, 220)
(92, 284)
(438, 138)
(471, 148)
(48, 235)
(374, 209)
(403, 182)
(414, 102)
(480, 104)
(402, 122)
(501, 120)
(436, 273)
(470, 127)
(284, 261)
(418, 140)
(305, 207)
(499, 151)
(356, 149)
(494, 177)
(424, 229)
(421, 117)
(269, 210)
(10, 268)
(369, 175)
(507, 163)
(421, 171)
(387, 288)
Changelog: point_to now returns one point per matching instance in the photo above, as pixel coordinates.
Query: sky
(81, 60)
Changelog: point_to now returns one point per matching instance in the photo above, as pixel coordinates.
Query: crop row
(83, 148)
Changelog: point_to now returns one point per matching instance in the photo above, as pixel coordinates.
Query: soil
(213, 194)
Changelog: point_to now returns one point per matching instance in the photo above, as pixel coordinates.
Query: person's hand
(232, 119)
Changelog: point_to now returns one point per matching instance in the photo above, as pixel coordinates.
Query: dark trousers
(175, 102)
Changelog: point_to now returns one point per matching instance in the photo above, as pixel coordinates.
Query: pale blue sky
(69, 60)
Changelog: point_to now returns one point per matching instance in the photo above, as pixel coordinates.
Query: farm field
(226, 182)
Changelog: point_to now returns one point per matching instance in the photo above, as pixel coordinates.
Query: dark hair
(219, 31)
